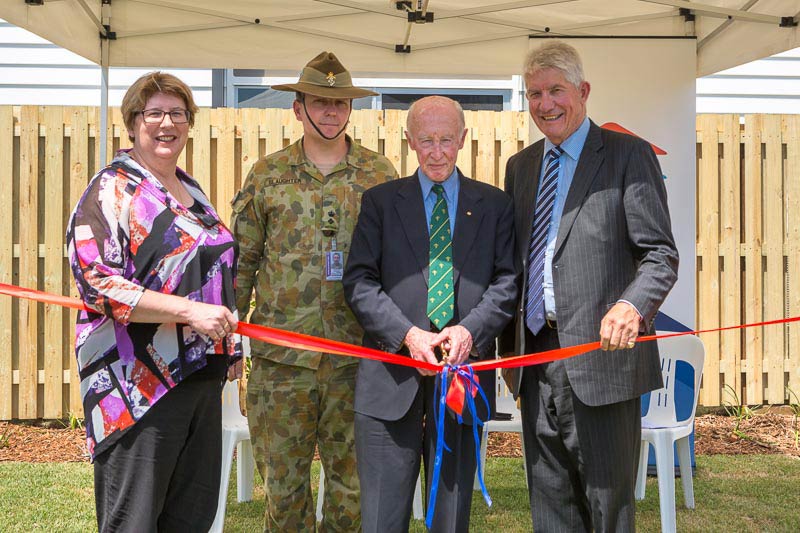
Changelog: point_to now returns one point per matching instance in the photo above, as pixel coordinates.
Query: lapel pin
(469, 213)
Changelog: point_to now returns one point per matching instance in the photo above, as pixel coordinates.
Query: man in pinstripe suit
(599, 258)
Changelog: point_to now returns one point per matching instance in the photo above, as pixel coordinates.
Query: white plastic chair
(661, 428)
(235, 434)
(505, 403)
(416, 508)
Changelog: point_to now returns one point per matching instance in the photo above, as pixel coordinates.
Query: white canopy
(450, 37)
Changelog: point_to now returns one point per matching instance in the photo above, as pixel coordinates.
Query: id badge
(334, 265)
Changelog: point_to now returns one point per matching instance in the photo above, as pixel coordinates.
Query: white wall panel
(35, 72)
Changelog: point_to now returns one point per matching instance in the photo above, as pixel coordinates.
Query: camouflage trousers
(291, 410)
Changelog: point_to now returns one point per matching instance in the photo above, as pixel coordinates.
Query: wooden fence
(48, 154)
(748, 254)
(748, 230)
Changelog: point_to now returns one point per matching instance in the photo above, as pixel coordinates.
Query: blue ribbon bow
(447, 374)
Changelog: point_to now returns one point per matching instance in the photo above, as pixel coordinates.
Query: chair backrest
(504, 400)
(245, 346)
(686, 348)
(231, 413)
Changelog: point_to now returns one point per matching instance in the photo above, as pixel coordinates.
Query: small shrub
(5, 436)
(795, 407)
(737, 410)
(75, 422)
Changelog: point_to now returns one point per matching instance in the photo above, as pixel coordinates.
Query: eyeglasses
(156, 116)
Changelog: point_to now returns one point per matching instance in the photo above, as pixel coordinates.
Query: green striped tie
(440, 273)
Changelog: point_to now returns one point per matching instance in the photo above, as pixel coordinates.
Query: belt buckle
(552, 324)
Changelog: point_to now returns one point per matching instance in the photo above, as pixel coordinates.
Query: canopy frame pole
(104, 106)
(89, 13)
(193, 9)
(179, 29)
(497, 8)
(722, 27)
(105, 13)
(719, 12)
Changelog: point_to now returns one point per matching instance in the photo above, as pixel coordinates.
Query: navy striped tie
(546, 199)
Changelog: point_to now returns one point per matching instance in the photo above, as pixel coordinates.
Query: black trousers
(388, 455)
(164, 473)
(581, 460)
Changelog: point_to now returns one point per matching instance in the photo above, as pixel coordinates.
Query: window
(263, 97)
(251, 88)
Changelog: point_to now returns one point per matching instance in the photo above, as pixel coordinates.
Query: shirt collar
(573, 145)
(450, 185)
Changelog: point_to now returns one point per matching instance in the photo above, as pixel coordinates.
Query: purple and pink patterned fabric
(128, 234)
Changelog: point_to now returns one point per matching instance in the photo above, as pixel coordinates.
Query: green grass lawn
(733, 493)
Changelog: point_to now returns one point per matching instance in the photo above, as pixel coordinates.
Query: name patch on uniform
(282, 181)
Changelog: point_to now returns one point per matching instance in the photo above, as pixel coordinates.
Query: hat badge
(331, 79)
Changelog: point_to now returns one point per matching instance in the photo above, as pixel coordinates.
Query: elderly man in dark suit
(431, 265)
(594, 237)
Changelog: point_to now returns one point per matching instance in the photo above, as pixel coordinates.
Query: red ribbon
(275, 336)
(300, 341)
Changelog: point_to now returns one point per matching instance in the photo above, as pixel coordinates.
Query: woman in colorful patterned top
(156, 266)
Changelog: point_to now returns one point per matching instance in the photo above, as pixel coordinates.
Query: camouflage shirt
(285, 218)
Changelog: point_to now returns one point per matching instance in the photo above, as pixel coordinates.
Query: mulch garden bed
(42, 442)
(769, 432)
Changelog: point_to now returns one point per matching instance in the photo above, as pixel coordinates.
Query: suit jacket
(614, 242)
(386, 282)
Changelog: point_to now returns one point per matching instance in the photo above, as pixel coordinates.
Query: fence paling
(754, 352)
(225, 164)
(773, 248)
(28, 323)
(6, 258)
(792, 239)
(708, 240)
(53, 260)
(78, 179)
(730, 278)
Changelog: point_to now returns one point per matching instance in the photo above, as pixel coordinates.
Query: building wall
(770, 85)
(35, 71)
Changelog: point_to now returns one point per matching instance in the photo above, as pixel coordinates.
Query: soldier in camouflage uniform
(294, 218)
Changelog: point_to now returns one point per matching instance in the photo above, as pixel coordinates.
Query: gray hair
(437, 100)
(558, 55)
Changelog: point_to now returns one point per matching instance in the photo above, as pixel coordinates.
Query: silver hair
(558, 55)
(441, 100)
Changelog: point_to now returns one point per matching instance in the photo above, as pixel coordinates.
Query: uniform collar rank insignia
(331, 79)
